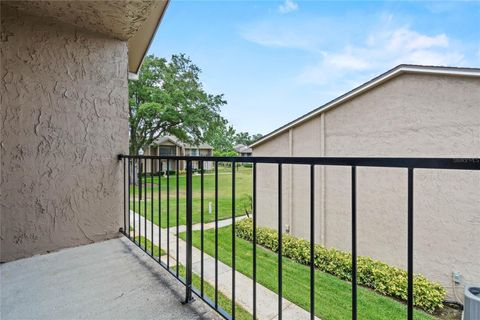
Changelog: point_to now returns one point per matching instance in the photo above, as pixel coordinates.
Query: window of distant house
(205, 153)
(193, 152)
(167, 151)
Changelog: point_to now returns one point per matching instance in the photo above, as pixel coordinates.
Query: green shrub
(371, 273)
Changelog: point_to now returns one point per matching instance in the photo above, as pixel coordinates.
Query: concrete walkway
(267, 300)
(112, 279)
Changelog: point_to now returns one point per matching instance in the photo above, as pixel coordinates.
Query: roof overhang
(129, 20)
(390, 74)
(140, 42)
(164, 139)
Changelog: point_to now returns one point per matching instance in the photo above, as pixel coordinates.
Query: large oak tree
(168, 99)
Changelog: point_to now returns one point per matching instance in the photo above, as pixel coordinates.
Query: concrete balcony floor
(113, 279)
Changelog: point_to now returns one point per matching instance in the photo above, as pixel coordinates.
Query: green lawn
(145, 243)
(243, 189)
(332, 295)
(223, 300)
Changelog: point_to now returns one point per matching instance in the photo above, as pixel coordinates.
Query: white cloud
(281, 39)
(340, 54)
(280, 34)
(381, 51)
(288, 6)
(405, 38)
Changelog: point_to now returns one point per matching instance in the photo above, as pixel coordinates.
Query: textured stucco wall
(64, 119)
(408, 116)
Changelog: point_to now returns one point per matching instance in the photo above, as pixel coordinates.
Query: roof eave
(400, 69)
(140, 43)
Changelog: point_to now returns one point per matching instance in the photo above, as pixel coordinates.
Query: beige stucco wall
(267, 182)
(409, 116)
(64, 119)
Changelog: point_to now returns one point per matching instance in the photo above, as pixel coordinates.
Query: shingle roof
(241, 148)
(179, 143)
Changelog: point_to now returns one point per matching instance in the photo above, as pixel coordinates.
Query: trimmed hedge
(374, 274)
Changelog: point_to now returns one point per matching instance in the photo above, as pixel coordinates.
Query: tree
(221, 137)
(168, 99)
(245, 138)
(242, 138)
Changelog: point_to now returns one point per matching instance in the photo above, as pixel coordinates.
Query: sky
(277, 60)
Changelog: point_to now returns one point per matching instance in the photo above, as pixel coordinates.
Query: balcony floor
(108, 280)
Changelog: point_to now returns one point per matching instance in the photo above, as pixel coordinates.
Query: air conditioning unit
(471, 309)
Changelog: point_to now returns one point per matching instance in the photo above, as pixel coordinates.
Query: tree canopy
(223, 138)
(245, 138)
(168, 99)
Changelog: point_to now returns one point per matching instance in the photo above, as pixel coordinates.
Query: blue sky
(277, 60)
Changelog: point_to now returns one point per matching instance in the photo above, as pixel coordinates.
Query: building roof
(181, 144)
(390, 74)
(128, 20)
(241, 148)
(200, 146)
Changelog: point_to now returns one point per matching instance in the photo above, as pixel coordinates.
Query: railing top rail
(420, 163)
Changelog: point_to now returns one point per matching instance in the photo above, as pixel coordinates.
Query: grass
(145, 243)
(209, 290)
(243, 188)
(332, 295)
(223, 300)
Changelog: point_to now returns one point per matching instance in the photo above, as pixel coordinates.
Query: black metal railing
(136, 169)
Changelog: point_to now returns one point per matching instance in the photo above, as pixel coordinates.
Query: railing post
(188, 276)
(354, 243)
(410, 245)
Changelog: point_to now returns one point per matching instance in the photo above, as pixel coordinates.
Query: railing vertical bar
(233, 238)
(312, 242)
(159, 209)
(216, 234)
(189, 221)
(410, 245)
(128, 199)
(139, 200)
(177, 207)
(354, 243)
(134, 200)
(145, 205)
(124, 196)
(202, 227)
(280, 223)
(254, 240)
(168, 214)
(151, 206)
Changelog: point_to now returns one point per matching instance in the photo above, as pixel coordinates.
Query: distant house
(172, 146)
(243, 150)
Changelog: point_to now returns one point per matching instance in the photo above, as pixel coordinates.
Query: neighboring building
(409, 111)
(243, 150)
(172, 146)
(64, 115)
